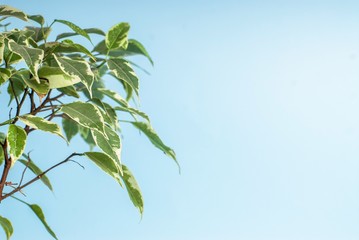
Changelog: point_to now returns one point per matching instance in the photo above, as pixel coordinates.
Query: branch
(40, 175)
(7, 166)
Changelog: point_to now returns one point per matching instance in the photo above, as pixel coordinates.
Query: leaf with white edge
(7, 226)
(86, 135)
(114, 96)
(16, 137)
(41, 88)
(37, 171)
(77, 70)
(109, 113)
(116, 37)
(87, 30)
(85, 114)
(56, 77)
(136, 47)
(39, 213)
(12, 12)
(68, 46)
(2, 48)
(133, 188)
(110, 145)
(71, 128)
(122, 69)
(75, 28)
(32, 57)
(155, 139)
(4, 75)
(37, 18)
(39, 33)
(106, 163)
(132, 111)
(42, 124)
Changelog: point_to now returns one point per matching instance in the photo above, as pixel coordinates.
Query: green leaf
(133, 189)
(114, 96)
(67, 46)
(155, 139)
(41, 88)
(4, 75)
(37, 18)
(6, 225)
(133, 111)
(86, 135)
(17, 89)
(32, 57)
(80, 70)
(12, 12)
(37, 171)
(116, 37)
(2, 48)
(87, 30)
(75, 28)
(16, 137)
(109, 143)
(85, 114)
(122, 70)
(106, 163)
(70, 127)
(69, 91)
(39, 33)
(2, 140)
(39, 213)
(42, 124)
(101, 48)
(109, 113)
(135, 47)
(56, 77)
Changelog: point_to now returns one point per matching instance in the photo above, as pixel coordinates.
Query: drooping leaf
(75, 28)
(39, 213)
(56, 77)
(42, 124)
(87, 30)
(85, 114)
(136, 47)
(37, 18)
(95, 93)
(122, 70)
(12, 12)
(37, 171)
(106, 163)
(133, 189)
(101, 48)
(39, 33)
(155, 139)
(77, 69)
(7, 226)
(69, 91)
(41, 88)
(132, 111)
(114, 96)
(86, 135)
(109, 113)
(67, 46)
(109, 143)
(70, 127)
(32, 57)
(15, 88)
(4, 75)
(116, 37)
(16, 137)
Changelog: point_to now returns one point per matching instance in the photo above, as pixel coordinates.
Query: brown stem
(40, 175)
(7, 166)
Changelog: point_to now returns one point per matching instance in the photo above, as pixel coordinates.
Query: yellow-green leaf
(133, 188)
(116, 37)
(7, 226)
(16, 137)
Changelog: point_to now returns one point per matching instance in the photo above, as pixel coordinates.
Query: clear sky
(260, 100)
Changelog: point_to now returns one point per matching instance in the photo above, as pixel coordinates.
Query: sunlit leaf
(75, 28)
(69, 91)
(87, 30)
(56, 77)
(42, 124)
(16, 137)
(116, 37)
(4, 75)
(133, 189)
(12, 12)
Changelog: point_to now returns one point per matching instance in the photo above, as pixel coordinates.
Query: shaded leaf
(42, 124)
(70, 127)
(69, 91)
(77, 70)
(39, 33)
(37, 171)
(2, 48)
(32, 57)
(122, 70)
(133, 189)
(12, 12)
(109, 114)
(37, 18)
(16, 137)
(135, 47)
(67, 46)
(87, 30)
(132, 111)
(39, 213)
(86, 135)
(114, 96)
(7, 226)
(4, 75)
(75, 28)
(155, 139)
(116, 37)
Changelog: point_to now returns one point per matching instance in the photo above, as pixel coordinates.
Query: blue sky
(260, 101)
